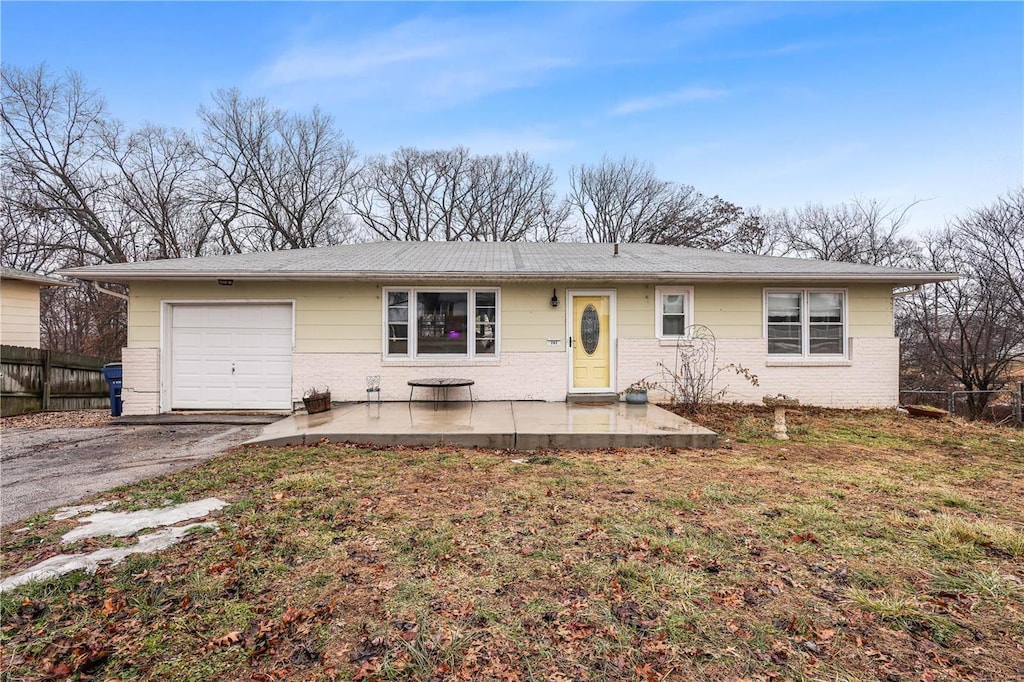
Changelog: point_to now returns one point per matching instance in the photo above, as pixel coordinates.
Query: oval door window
(590, 329)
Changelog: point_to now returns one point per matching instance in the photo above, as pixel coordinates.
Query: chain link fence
(1004, 405)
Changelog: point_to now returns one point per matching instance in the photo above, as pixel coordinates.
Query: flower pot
(636, 397)
(317, 403)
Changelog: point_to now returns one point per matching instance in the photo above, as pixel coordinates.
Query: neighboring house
(526, 321)
(19, 306)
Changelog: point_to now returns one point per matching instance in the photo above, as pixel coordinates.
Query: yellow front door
(591, 342)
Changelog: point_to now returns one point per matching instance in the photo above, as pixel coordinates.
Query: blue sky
(770, 104)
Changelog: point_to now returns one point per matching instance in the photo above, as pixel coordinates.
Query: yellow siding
(19, 313)
(870, 310)
(344, 317)
(527, 319)
(734, 311)
(731, 311)
(635, 311)
(329, 317)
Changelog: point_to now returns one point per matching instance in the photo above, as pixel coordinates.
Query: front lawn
(871, 546)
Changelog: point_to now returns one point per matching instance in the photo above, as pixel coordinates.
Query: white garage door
(231, 357)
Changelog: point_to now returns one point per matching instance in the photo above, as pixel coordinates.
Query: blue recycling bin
(112, 373)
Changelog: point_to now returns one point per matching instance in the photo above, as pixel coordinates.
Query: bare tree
(624, 201)
(414, 195)
(762, 234)
(29, 240)
(277, 180)
(995, 236)
(965, 333)
(53, 156)
(861, 231)
(618, 201)
(510, 197)
(159, 181)
(451, 195)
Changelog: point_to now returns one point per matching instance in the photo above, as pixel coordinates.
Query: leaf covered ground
(871, 546)
(57, 420)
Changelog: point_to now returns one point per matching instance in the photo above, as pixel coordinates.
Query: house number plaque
(590, 329)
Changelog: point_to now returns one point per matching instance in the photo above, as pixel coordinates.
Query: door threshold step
(592, 398)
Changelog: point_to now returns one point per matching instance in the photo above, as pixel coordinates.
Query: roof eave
(40, 280)
(897, 278)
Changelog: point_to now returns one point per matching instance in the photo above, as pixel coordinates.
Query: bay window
(441, 323)
(805, 322)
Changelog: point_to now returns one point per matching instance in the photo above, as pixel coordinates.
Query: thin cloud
(424, 63)
(322, 63)
(667, 99)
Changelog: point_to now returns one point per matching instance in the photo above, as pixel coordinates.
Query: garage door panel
(233, 356)
(220, 341)
(262, 342)
(248, 369)
(190, 316)
(275, 368)
(278, 340)
(188, 338)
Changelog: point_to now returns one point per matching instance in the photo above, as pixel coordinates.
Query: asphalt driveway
(43, 468)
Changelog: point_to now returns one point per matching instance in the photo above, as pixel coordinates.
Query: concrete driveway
(43, 468)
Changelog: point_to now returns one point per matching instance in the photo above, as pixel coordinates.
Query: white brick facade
(140, 388)
(516, 376)
(868, 378)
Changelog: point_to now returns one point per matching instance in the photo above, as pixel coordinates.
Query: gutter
(628, 277)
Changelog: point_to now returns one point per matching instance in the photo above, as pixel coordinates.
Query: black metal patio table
(440, 386)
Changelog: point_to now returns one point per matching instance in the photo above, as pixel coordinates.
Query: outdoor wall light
(554, 298)
(225, 282)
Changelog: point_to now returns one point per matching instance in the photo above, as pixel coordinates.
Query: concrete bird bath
(780, 402)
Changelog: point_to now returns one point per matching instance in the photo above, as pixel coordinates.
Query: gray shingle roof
(454, 261)
(25, 276)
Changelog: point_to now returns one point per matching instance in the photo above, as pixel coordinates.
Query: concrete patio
(499, 425)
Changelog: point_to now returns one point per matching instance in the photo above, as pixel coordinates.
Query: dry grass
(869, 547)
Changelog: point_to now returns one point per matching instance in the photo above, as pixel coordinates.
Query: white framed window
(674, 312)
(441, 322)
(805, 323)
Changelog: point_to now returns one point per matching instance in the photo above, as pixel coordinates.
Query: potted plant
(317, 400)
(636, 392)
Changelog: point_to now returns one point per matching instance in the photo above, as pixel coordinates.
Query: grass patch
(852, 551)
(962, 538)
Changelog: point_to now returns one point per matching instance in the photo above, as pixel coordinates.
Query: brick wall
(140, 388)
(869, 378)
(518, 376)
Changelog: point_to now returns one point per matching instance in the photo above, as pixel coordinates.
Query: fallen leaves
(230, 639)
(71, 419)
(809, 538)
(456, 565)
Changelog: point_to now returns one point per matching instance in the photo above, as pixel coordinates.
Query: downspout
(912, 290)
(108, 292)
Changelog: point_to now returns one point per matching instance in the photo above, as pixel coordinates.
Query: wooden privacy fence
(33, 380)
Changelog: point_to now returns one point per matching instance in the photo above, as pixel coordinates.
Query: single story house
(19, 303)
(525, 321)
